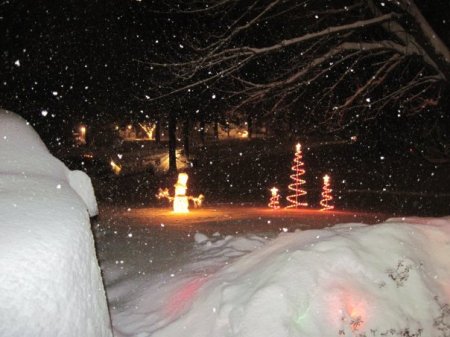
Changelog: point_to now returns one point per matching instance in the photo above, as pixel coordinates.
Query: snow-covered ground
(386, 279)
(50, 281)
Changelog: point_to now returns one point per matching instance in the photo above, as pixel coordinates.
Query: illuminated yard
(240, 219)
(163, 271)
(225, 168)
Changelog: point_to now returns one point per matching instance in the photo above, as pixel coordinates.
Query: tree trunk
(172, 141)
(249, 126)
(158, 130)
(186, 137)
(216, 130)
(202, 130)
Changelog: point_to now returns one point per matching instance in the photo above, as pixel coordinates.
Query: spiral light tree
(326, 194)
(296, 186)
(274, 199)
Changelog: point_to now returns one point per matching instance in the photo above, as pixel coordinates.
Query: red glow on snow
(348, 308)
(357, 315)
(355, 307)
(446, 288)
(184, 296)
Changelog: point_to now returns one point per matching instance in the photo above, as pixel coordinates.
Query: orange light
(181, 202)
(295, 187)
(115, 167)
(274, 191)
(82, 135)
(148, 129)
(326, 197)
(348, 308)
(356, 310)
(275, 198)
(180, 199)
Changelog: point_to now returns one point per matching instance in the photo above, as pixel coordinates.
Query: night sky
(75, 57)
(79, 60)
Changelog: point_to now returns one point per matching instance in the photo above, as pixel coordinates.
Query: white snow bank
(390, 279)
(50, 282)
(24, 153)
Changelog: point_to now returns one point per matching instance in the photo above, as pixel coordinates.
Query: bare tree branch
(440, 48)
(284, 57)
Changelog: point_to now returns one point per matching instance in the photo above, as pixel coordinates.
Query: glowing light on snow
(244, 134)
(356, 310)
(274, 199)
(298, 169)
(115, 167)
(184, 296)
(303, 315)
(180, 199)
(326, 197)
(348, 310)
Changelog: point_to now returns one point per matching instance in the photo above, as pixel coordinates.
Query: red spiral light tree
(326, 196)
(274, 199)
(296, 186)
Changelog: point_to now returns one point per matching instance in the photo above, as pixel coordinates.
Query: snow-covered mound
(390, 279)
(50, 281)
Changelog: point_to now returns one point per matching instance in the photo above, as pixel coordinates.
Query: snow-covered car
(94, 165)
(50, 280)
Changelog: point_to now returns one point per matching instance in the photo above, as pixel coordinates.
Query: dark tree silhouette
(318, 63)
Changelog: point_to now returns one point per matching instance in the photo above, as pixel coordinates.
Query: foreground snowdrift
(50, 282)
(390, 279)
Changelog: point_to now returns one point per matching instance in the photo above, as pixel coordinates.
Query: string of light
(274, 199)
(326, 194)
(296, 186)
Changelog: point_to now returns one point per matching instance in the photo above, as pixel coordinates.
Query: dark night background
(86, 52)
(80, 60)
